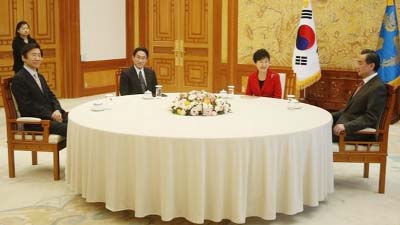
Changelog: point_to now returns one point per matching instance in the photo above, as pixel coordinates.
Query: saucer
(297, 106)
(147, 97)
(97, 109)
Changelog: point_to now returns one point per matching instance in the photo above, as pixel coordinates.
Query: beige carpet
(34, 198)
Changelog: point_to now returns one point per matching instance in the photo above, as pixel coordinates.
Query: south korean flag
(305, 61)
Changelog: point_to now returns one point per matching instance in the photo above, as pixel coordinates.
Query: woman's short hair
(260, 54)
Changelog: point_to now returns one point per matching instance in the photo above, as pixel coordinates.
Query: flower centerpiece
(200, 103)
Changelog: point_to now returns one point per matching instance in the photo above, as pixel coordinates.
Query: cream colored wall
(343, 28)
(102, 29)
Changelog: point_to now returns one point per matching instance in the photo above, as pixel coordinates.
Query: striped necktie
(359, 87)
(142, 81)
(35, 76)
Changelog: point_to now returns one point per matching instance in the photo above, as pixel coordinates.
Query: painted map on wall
(344, 28)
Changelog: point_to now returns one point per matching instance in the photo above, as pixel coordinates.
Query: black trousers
(355, 137)
(59, 128)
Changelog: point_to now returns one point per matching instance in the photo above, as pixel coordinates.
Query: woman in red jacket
(263, 82)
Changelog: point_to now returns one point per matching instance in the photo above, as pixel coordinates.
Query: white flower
(207, 106)
(218, 108)
(194, 112)
(220, 100)
(198, 107)
(192, 97)
(197, 103)
(207, 112)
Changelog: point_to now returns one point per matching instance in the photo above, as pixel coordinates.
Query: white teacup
(108, 101)
(294, 104)
(148, 94)
(223, 94)
(231, 91)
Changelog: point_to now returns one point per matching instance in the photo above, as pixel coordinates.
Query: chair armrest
(367, 131)
(16, 126)
(370, 131)
(28, 119)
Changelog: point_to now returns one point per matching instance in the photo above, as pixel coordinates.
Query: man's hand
(56, 116)
(338, 128)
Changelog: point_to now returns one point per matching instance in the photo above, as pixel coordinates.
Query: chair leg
(11, 162)
(34, 158)
(382, 177)
(366, 170)
(56, 162)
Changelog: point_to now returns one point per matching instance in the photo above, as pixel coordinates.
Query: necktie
(142, 81)
(35, 76)
(359, 87)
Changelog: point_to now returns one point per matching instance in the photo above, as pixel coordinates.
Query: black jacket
(130, 83)
(32, 102)
(364, 109)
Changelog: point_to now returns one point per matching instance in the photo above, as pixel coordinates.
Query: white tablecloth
(260, 160)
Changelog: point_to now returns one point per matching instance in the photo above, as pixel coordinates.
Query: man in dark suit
(365, 107)
(33, 95)
(137, 79)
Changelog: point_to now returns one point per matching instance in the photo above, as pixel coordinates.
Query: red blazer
(270, 88)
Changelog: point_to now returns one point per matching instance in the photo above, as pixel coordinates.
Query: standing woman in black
(21, 39)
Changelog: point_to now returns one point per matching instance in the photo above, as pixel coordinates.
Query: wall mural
(343, 28)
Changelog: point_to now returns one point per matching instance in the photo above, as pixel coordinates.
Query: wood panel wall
(180, 43)
(44, 19)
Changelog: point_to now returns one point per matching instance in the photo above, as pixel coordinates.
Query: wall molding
(99, 65)
(98, 90)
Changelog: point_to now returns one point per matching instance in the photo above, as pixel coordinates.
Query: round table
(259, 160)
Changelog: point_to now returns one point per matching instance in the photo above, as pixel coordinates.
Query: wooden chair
(117, 79)
(369, 151)
(19, 139)
(288, 84)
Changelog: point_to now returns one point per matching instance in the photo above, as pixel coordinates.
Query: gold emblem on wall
(342, 30)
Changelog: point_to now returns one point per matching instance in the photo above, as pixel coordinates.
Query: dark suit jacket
(364, 109)
(30, 99)
(130, 83)
(17, 45)
(271, 87)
